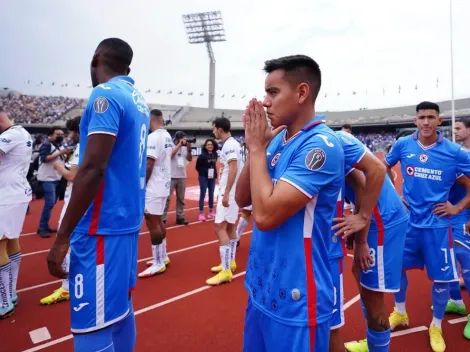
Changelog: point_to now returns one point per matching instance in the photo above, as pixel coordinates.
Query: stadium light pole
(452, 70)
(206, 27)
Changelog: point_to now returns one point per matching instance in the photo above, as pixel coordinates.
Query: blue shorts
(263, 334)
(337, 270)
(461, 236)
(386, 249)
(103, 271)
(433, 248)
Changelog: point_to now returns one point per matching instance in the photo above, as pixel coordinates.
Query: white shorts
(249, 208)
(12, 220)
(229, 214)
(155, 205)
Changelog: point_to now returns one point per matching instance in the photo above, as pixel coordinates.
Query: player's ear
(303, 89)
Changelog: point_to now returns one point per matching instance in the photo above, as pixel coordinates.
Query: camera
(191, 140)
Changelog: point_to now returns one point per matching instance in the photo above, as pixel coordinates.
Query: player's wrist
(365, 216)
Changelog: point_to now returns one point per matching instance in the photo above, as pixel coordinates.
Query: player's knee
(100, 340)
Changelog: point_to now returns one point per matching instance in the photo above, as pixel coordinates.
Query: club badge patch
(100, 105)
(315, 159)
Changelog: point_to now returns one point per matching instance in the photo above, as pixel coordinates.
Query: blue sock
(124, 332)
(463, 257)
(440, 294)
(378, 341)
(400, 296)
(100, 340)
(455, 294)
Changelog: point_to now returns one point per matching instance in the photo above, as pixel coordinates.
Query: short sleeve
(230, 152)
(315, 165)
(153, 147)
(394, 155)
(354, 150)
(463, 163)
(105, 108)
(8, 141)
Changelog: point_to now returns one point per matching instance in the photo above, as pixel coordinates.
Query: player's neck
(299, 123)
(427, 141)
(466, 144)
(225, 137)
(5, 126)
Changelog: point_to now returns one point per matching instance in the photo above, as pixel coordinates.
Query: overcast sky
(360, 45)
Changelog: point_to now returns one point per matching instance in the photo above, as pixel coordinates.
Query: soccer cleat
(152, 270)
(6, 312)
(57, 296)
(218, 268)
(166, 262)
(466, 330)
(14, 300)
(436, 339)
(396, 319)
(357, 346)
(211, 215)
(222, 277)
(454, 308)
(201, 217)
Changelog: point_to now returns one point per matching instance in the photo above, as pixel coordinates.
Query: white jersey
(159, 147)
(73, 162)
(231, 150)
(16, 149)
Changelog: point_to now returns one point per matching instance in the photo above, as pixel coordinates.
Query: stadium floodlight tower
(206, 27)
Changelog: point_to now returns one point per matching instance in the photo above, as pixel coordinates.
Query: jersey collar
(317, 119)
(440, 136)
(124, 79)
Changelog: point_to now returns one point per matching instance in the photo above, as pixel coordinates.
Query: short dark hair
(298, 69)
(427, 105)
(51, 130)
(73, 124)
(223, 123)
(156, 112)
(117, 56)
(465, 121)
(347, 125)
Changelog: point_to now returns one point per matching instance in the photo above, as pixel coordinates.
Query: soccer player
(226, 212)
(292, 178)
(245, 213)
(430, 165)
(105, 212)
(376, 267)
(460, 232)
(73, 128)
(16, 149)
(158, 179)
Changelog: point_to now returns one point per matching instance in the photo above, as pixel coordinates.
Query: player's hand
(362, 256)
(188, 145)
(56, 257)
(350, 241)
(349, 225)
(445, 209)
(225, 200)
(257, 132)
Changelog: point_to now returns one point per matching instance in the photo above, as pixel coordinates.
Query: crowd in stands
(28, 109)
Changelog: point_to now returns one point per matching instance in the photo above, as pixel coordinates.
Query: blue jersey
(389, 210)
(428, 175)
(288, 276)
(457, 193)
(117, 108)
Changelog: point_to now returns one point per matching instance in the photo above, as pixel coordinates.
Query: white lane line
(139, 261)
(352, 301)
(39, 335)
(408, 331)
(170, 212)
(458, 320)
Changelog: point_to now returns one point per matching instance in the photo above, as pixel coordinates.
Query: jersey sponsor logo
(6, 141)
(103, 86)
(275, 159)
(325, 139)
(140, 102)
(423, 158)
(101, 105)
(29, 144)
(80, 306)
(425, 173)
(315, 159)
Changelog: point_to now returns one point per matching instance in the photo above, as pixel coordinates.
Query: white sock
(436, 322)
(157, 255)
(458, 302)
(225, 256)
(400, 307)
(165, 254)
(15, 261)
(66, 267)
(5, 282)
(233, 249)
(242, 224)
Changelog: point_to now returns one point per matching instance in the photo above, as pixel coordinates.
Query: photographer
(180, 156)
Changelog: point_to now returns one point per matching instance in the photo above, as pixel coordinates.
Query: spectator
(180, 156)
(207, 171)
(50, 152)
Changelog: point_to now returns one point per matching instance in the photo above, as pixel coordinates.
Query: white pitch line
(139, 261)
(408, 331)
(170, 212)
(458, 320)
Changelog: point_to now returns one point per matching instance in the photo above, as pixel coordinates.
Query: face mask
(59, 139)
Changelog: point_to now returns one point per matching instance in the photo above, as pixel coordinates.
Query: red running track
(177, 310)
